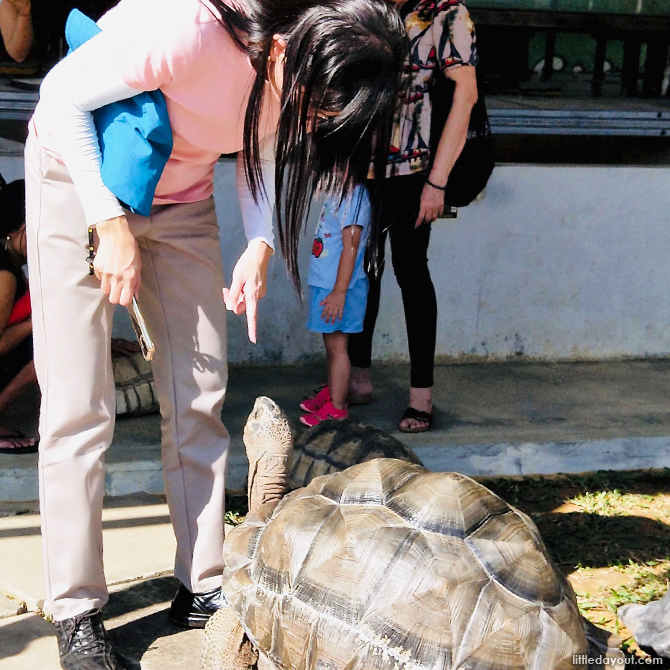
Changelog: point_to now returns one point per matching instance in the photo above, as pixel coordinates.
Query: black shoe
(193, 610)
(83, 644)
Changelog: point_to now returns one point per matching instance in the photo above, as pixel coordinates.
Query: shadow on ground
(544, 494)
(18, 635)
(131, 634)
(579, 539)
(134, 636)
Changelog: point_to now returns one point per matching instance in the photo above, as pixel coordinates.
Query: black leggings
(409, 253)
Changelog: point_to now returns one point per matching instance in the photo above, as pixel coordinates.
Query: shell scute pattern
(337, 562)
(373, 485)
(260, 618)
(421, 623)
(507, 549)
(243, 542)
(432, 571)
(333, 446)
(445, 503)
(285, 549)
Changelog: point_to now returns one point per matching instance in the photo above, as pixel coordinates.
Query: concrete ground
(139, 551)
(491, 419)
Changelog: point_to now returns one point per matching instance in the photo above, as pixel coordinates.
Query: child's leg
(339, 367)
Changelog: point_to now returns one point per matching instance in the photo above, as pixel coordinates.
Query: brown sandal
(417, 415)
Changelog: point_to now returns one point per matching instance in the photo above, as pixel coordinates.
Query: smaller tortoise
(135, 387)
(276, 465)
(387, 566)
(333, 446)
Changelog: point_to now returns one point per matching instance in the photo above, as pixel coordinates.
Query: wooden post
(549, 50)
(599, 66)
(630, 69)
(654, 66)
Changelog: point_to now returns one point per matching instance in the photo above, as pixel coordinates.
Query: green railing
(627, 7)
(574, 48)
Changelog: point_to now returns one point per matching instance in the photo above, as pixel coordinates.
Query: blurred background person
(17, 372)
(16, 26)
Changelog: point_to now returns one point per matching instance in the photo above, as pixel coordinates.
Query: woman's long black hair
(340, 89)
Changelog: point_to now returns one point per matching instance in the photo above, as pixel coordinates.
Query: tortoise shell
(333, 446)
(386, 566)
(135, 387)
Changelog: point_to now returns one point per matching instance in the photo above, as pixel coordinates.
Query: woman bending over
(322, 77)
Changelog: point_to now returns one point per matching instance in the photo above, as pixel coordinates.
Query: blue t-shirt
(327, 246)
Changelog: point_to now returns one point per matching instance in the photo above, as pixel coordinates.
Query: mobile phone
(147, 346)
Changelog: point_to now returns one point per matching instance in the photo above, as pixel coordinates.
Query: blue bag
(135, 136)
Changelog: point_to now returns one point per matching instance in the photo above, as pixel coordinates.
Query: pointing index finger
(252, 304)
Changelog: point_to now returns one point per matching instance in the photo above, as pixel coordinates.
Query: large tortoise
(386, 566)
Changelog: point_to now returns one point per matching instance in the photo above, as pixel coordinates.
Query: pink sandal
(316, 400)
(328, 411)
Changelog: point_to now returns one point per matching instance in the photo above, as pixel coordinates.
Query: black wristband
(439, 188)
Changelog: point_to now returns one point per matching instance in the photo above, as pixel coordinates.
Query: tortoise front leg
(226, 645)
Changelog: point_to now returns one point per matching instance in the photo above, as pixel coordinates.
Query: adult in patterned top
(442, 36)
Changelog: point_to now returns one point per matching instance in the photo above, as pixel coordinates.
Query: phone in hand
(147, 346)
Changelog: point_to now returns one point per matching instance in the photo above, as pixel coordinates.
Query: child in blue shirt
(338, 293)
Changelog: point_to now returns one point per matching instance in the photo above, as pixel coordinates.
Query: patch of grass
(236, 509)
(644, 583)
(233, 518)
(613, 503)
(608, 532)
(542, 494)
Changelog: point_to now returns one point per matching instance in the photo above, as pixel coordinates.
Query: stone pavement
(491, 419)
(139, 552)
(136, 617)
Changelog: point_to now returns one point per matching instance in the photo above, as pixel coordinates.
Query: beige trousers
(180, 298)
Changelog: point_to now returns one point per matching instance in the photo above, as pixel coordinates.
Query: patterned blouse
(441, 34)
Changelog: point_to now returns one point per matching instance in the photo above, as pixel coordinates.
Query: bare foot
(421, 399)
(360, 382)
(15, 442)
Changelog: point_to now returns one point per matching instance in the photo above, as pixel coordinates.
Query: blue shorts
(352, 316)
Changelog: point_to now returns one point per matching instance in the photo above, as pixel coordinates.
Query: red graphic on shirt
(317, 247)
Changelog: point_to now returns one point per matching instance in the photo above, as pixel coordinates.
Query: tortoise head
(267, 428)
(269, 443)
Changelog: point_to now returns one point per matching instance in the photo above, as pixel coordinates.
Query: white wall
(554, 263)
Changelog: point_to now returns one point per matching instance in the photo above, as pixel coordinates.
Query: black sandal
(417, 415)
(17, 443)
